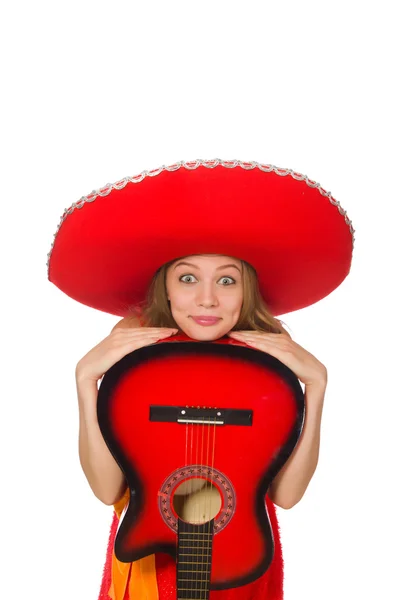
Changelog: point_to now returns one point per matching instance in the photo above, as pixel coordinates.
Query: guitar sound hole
(196, 500)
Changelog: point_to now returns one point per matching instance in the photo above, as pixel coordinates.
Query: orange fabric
(142, 573)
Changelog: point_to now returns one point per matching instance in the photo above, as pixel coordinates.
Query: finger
(141, 342)
(150, 331)
(248, 336)
(264, 334)
(159, 328)
(154, 335)
(146, 329)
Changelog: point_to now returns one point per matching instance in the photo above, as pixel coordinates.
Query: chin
(205, 333)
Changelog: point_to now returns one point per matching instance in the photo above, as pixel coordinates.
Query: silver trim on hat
(190, 165)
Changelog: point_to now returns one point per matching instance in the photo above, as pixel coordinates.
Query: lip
(206, 320)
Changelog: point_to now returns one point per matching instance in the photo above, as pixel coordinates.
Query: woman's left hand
(306, 367)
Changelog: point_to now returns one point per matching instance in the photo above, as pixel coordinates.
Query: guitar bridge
(200, 416)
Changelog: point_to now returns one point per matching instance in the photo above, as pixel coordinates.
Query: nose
(207, 296)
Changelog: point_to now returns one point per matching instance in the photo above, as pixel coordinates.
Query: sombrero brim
(109, 245)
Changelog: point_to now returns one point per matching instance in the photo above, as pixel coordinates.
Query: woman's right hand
(119, 343)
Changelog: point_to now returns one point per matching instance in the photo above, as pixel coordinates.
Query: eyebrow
(196, 267)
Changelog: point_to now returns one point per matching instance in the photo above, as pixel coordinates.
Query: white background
(96, 91)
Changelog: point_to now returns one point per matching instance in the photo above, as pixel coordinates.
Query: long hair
(155, 310)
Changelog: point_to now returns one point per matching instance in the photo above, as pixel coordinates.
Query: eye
(180, 278)
(230, 278)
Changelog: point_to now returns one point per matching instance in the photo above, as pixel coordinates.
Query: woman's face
(205, 287)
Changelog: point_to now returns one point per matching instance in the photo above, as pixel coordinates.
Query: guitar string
(188, 445)
(196, 508)
(208, 497)
(200, 543)
(204, 549)
(203, 541)
(191, 521)
(201, 471)
(204, 559)
(190, 525)
(197, 520)
(212, 485)
(206, 542)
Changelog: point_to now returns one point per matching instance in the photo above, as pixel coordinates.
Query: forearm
(104, 475)
(289, 485)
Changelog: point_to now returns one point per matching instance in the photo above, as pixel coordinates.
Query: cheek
(231, 307)
(235, 302)
(181, 302)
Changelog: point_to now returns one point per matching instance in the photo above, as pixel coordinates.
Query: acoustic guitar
(200, 430)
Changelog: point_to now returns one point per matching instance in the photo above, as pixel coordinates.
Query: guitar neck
(194, 558)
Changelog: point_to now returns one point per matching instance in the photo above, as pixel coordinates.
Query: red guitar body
(181, 410)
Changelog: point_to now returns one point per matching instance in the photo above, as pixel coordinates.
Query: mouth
(206, 320)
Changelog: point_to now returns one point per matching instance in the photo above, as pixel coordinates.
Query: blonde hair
(155, 310)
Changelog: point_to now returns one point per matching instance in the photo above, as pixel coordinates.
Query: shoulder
(128, 322)
(283, 329)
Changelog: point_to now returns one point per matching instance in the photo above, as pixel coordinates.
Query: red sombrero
(109, 244)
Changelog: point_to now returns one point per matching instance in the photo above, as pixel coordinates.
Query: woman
(284, 240)
(182, 290)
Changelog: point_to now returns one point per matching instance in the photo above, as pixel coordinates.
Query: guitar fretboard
(194, 557)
